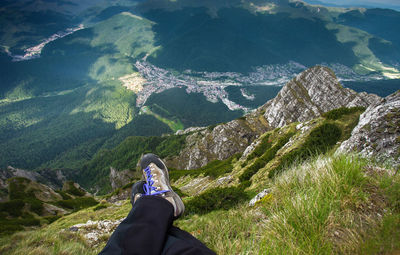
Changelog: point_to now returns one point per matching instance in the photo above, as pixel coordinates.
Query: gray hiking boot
(137, 191)
(155, 173)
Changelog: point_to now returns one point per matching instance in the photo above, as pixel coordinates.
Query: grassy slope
(173, 125)
(325, 206)
(34, 204)
(334, 204)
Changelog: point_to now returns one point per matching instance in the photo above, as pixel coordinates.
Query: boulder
(377, 133)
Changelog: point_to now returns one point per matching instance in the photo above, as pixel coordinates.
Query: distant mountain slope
(67, 104)
(240, 35)
(237, 40)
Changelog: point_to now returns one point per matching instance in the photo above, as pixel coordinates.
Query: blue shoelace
(148, 186)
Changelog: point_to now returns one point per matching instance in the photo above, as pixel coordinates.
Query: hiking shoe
(137, 191)
(155, 173)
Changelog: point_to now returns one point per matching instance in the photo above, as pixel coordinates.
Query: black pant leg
(144, 230)
(182, 243)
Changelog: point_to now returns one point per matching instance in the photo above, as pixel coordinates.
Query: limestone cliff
(310, 94)
(378, 131)
(306, 97)
(219, 143)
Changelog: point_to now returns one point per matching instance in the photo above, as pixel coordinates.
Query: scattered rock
(218, 143)
(93, 231)
(259, 196)
(225, 180)
(73, 229)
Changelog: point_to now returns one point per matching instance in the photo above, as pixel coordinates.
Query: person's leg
(145, 229)
(148, 227)
(182, 243)
(154, 206)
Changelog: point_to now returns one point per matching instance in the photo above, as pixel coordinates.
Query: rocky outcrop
(307, 96)
(40, 191)
(219, 142)
(75, 189)
(189, 130)
(120, 178)
(259, 196)
(378, 131)
(51, 178)
(311, 93)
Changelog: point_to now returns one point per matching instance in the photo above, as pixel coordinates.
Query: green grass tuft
(216, 199)
(12, 207)
(179, 192)
(99, 207)
(261, 148)
(77, 203)
(268, 155)
(340, 112)
(320, 140)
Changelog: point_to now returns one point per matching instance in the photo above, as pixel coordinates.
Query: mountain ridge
(307, 96)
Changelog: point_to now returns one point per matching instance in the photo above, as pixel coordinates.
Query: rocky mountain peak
(309, 94)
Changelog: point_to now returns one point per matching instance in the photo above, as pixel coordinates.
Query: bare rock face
(53, 179)
(120, 178)
(378, 131)
(310, 94)
(189, 130)
(218, 143)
